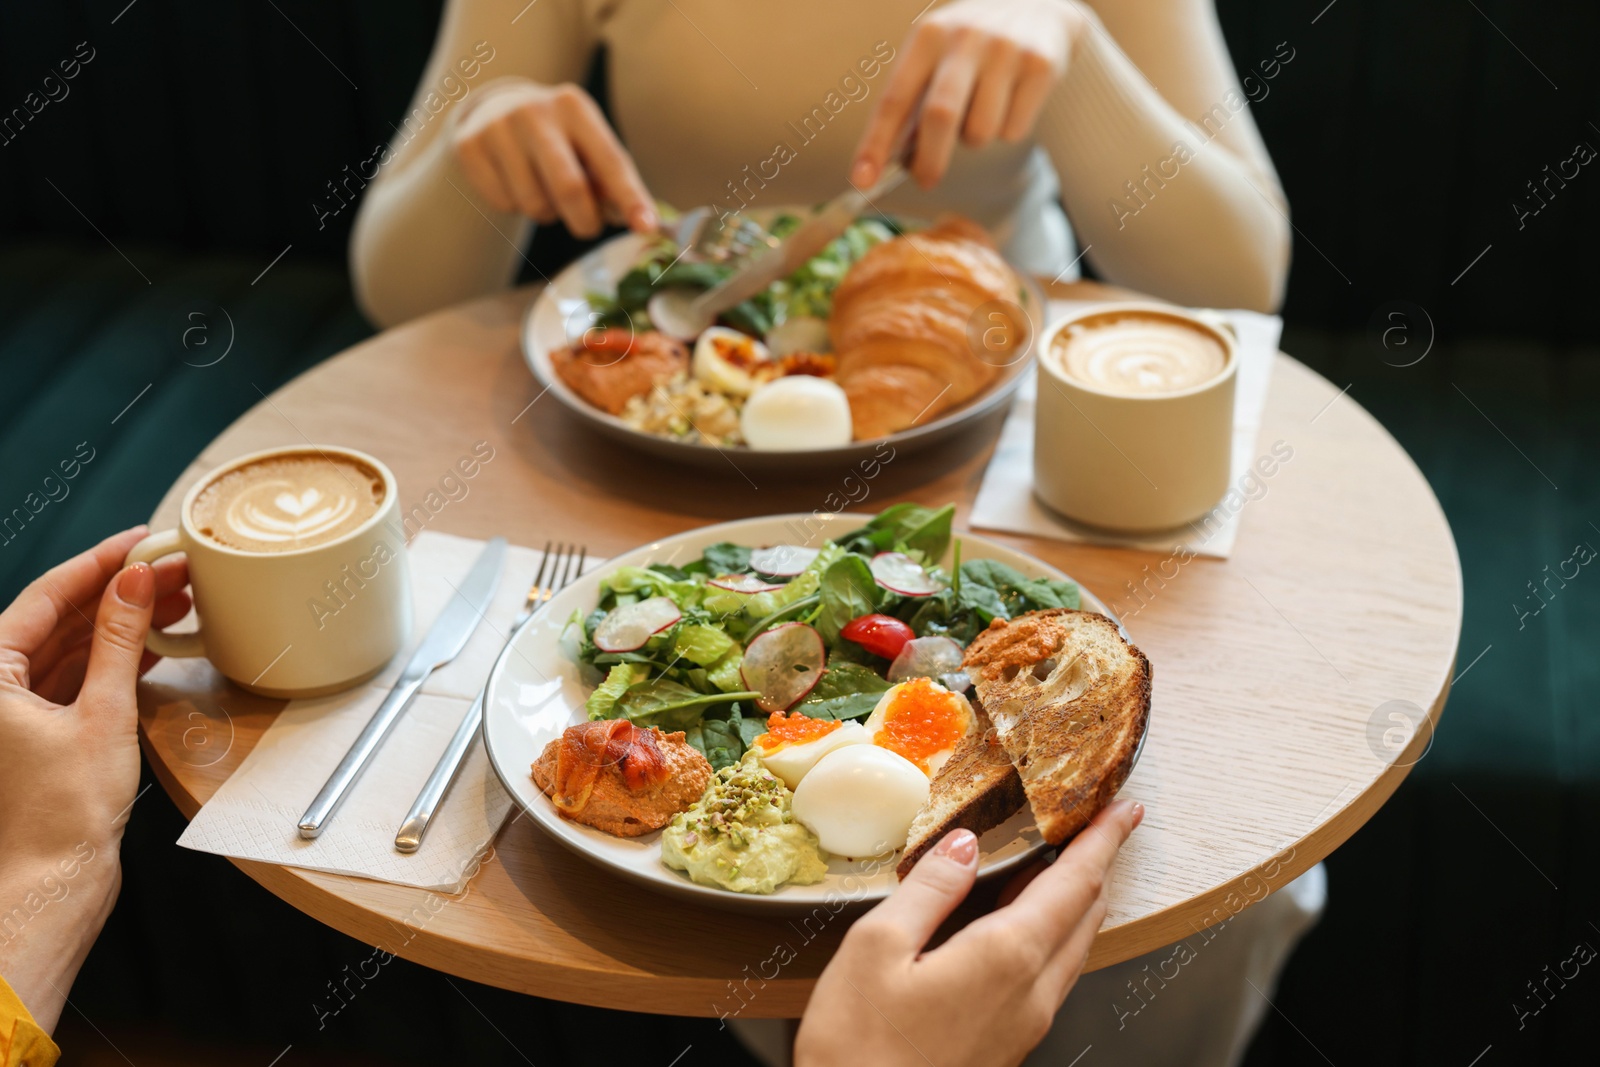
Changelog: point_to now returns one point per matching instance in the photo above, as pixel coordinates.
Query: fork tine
(577, 569)
(538, 579)
(567, 568)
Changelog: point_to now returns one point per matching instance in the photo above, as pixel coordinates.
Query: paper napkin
(254, 815)
(1005, 498)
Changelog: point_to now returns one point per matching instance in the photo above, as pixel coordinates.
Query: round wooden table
(1276, 672)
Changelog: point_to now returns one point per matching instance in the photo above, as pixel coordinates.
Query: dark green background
(196, 141)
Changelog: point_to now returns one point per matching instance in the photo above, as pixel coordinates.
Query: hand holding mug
(71, 650)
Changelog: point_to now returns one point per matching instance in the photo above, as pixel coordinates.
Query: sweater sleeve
(1166, 179)
(22, 1042)
(423, 238)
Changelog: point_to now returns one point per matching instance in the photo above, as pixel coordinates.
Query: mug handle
(176, 646)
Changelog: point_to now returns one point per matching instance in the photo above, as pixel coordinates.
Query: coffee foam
(1137, 353)
(287, 502)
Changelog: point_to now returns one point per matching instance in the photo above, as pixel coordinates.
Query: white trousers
(1196, 1003)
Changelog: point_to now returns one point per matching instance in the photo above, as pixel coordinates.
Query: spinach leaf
(635, 287)
(722, 740)
(905, 527)
(848, 590)
(609, 659)
(692, 275)
(724, 557)
(847, 679)
(845, 691)
(753, 316)
(991, 588)
(750, 728)
(670, 705)
(849, 706)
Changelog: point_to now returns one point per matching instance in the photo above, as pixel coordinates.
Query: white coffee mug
(1133, 461)
(297, 623)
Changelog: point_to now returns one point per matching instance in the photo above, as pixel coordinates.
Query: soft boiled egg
(797, 413)
(791, 747)
(724, 358)
(860, 799)
(922, 721)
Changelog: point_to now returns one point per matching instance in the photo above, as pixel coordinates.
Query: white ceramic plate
(535, 693)
(560, 314)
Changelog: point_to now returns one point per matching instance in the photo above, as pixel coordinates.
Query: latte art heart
(297, 505)
(1138, 354)
(287, 502)
(287, 517)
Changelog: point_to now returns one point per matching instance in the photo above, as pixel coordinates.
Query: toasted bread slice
(977, 789)
(1069, 699)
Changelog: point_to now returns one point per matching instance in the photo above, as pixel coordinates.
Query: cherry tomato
(882, 635)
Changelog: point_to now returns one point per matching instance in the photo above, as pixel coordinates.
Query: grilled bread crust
(1069, 698)
(977, 789)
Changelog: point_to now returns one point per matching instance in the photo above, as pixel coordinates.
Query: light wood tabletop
(1283, 676)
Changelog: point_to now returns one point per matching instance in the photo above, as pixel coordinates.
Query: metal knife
(444, 642)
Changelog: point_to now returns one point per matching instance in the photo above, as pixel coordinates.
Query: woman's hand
(71, 651)
(987, 995)
(546, 151)
(986, 67)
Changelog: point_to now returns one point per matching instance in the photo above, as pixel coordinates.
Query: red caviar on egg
(922, 721)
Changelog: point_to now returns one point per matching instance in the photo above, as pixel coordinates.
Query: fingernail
(959, 845)
(645, 219)
(1138, 813)
(136, 586)
(863, 174)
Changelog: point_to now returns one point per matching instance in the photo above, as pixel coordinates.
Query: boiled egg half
(796, 413)
(792, 746)
(860, 799)
(922, 721)
(724, 359)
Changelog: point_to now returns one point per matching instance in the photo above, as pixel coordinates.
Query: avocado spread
(742, 836)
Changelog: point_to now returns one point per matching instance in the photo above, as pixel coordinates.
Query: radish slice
(783, 664)
(956, 681)
(630, 626)
(926, 657)
(899, 573)
(785, 561)
(742, 583)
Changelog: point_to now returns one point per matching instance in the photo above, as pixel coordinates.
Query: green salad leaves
(806, 292)
(687, 676)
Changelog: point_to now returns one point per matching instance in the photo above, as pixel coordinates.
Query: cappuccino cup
(298, 570)
(1133, 428)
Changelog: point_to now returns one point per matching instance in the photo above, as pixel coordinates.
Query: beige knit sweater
(1147, 141)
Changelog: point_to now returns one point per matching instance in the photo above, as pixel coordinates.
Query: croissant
(903, 326)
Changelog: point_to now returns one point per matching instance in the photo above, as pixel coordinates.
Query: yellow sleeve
(22, 1043)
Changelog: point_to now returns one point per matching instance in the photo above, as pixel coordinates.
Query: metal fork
(565, 568)
(706, 238)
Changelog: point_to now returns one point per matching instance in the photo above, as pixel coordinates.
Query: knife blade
(444, 641)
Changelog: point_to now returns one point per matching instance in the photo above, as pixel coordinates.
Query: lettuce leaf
(724, 674)
(759, 605)
(602, 702)
(643, 582)
(700, 643)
